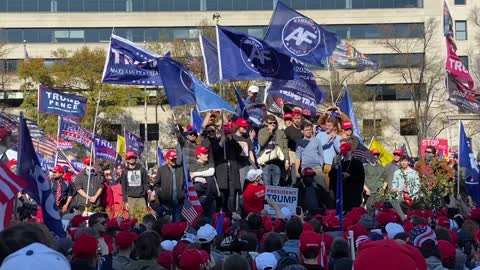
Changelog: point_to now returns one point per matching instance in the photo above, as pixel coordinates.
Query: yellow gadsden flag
(385, 156)
(121, 146)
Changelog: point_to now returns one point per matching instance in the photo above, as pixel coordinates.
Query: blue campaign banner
(133, 142)
(178, 82)
(54, 102)
(466, 159)
(77, 165)
(130, 64)
(292, 33)
(243, 57)
(297, 92)
(104, 149)
(72, 131)
(346, 106)
(210, 60)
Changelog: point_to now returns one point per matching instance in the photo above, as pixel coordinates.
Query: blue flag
(219, 226)
(339, 194)
(243, 57)
(55, 102)
(466, 159)
(30, 169)
(207, 99)
(294, 34)
(160, 157)
(299, 92)
(196, 120)
(130, 64)
(78, 165)
(210, 60)
(104, 149)
(241, 109)
(411, 161)
(72, 131)
(133, 142)
(346, 106)
(178, 82)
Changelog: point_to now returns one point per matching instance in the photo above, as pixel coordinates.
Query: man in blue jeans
(168, 187)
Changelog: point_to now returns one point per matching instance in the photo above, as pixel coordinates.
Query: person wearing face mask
(88, 192)
(353, 177)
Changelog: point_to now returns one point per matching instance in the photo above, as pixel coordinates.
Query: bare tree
(6, 75)
(423, 80)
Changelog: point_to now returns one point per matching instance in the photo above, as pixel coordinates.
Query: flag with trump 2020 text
(55, 102)
(30, 169)
(73, 131)
(133, 143)
(243, 57)
(104, 149)
(130, 64)
(298, 36)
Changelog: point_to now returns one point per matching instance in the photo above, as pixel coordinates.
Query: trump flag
(466, 160)
(54, 102)
(130, 64)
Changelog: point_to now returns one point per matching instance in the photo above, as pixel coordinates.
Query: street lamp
(374, 108)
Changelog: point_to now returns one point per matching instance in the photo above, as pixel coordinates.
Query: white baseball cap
(253, 174)
(36, 256)
(253, 89)
(266, 259)
(168, 245)
(393, 229)
(206, 233)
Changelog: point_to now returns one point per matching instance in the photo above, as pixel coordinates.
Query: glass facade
(192, 5)
(94, 35)
(391, 92)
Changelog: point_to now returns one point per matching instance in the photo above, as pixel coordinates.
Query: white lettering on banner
(283, 196)
(300, 36)
(103, 143)
(261, 55)
(457, 65)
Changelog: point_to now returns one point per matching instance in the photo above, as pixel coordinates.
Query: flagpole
(92, 146)
(458, 166)
(146, 125)
(58, 136)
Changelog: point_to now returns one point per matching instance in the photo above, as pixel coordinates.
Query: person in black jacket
(203, 178)
(168, 187)
(135, 184)
(61, 189)
(353, 177)
(88, 192)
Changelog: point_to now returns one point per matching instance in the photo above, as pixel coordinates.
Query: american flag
(362, 153)
(10, 185)
(193, 64)
(8, 122)
(192, 208)
(62, 160)
(44, 146)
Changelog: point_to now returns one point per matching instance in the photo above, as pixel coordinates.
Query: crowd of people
(229, 165)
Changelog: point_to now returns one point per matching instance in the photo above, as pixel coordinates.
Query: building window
(408, 127)
(390, 92)
(398, 60)
(460, 2)
(378, 31)
(153, 132)
(370, 129)
(110, 131)
(461, 30)
(464, 60)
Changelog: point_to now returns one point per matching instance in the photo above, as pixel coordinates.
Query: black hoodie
(134, 182)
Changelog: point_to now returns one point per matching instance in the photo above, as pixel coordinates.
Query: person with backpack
(290, 252)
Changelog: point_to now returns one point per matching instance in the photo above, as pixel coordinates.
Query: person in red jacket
(254, 193)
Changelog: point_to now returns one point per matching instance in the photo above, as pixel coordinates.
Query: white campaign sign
(283, 196)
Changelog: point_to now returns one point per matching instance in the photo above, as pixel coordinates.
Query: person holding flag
(88, 187)
(347, 127)
(135, 184)
(169, 188)
(62, 190)
(188, 143)
(353, 177)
